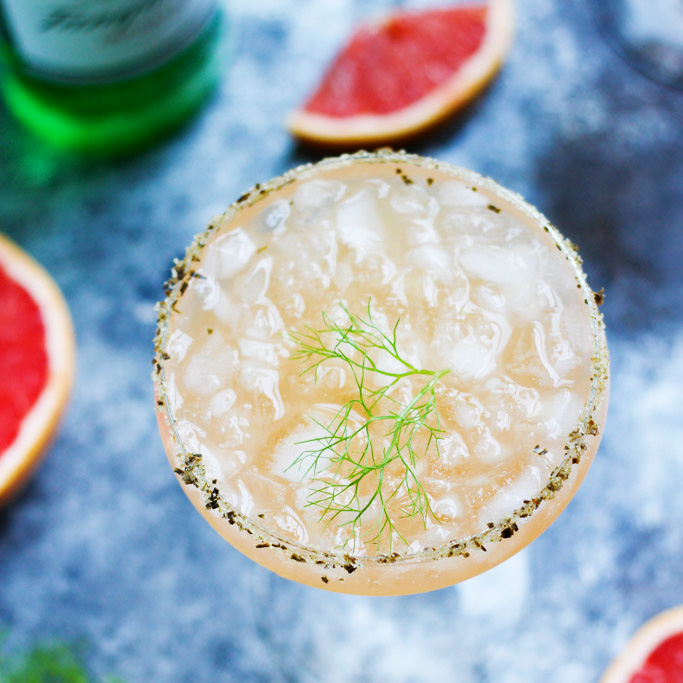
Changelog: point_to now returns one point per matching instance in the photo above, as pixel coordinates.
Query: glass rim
(189, 466)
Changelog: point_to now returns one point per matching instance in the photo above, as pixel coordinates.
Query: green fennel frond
(363, 465)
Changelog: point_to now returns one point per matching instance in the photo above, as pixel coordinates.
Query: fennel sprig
(363, 466)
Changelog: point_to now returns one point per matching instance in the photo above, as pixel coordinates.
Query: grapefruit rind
(19, 461)
(636, 651)
(465, 84)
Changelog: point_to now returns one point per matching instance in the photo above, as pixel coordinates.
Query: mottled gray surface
(103, 546)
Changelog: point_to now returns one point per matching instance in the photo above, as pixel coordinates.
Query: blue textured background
(104, 548)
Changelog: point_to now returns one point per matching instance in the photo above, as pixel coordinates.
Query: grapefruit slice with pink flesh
(654, 654)
(404, 73)
(36, 364)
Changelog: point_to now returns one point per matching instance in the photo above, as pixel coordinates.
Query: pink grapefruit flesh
(654, 654)
(36, 364)
(400, 75)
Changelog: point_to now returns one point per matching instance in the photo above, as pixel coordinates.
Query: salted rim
(190, 467)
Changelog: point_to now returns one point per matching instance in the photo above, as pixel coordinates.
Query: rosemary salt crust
(190, 468)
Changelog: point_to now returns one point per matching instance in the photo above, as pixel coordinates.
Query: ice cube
(175, 398)
(207, 291)
(337, 312)
(178, 344)
(343, 276)
(223, 464)
(453, 450)
(329, 376)
(456, 193)
(458, 229)
(561, 355)
(447, 508)
(263, 382)
(265, 352)
(301, 452)
(191, 435)
(488, 449)
(432, 259)
(507, 396)
(414, 201)
(234, 428)
(546, 297)
(238, 494)
(542, 340)
(471, 358)
(274, 217)
(255, 284)
(322, 249)
(412, 348)
(500, 265)
(561, 413)
(225, 310)
(375, 269)
(532, 302)
(522, 300)
(291, 524)
(211, 367)
(265, 321)
(430, 291)
(436, 535)
(212, 465)
(421, 231)
(526, 359)
(384, 363)
(296, 306)
(221, 402)
(489, 298)
(468, 411)
(380, 187)
(512, 496)
(289, 460)
(312, 196)
(457, 295)
(228, 254)
(286, 461)
(359, 225)
(575, 326)
(199, 377)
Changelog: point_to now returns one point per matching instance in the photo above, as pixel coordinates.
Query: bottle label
(91, 41)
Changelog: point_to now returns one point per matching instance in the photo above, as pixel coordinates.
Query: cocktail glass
(401, 568)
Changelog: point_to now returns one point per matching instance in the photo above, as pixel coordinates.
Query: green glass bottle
(107, 76)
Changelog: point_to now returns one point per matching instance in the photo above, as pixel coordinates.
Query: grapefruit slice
(36, 364)
(654, 654)
(402, 74)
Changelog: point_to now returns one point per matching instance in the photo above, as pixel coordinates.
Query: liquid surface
(470, 289)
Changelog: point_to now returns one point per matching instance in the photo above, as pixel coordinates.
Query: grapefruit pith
(36, 364)
(398, 76)
(654, 654)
